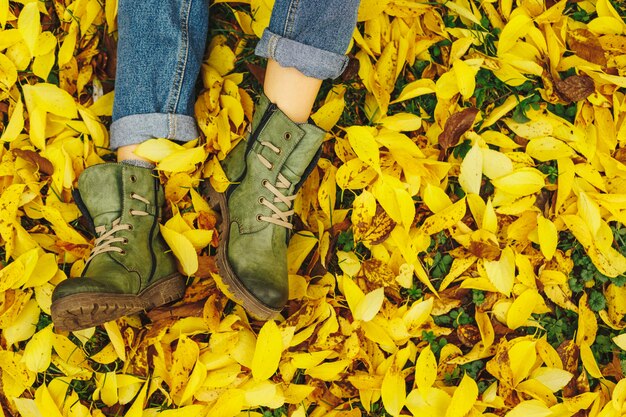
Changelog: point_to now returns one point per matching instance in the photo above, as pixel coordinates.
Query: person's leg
(160, 50)
(305, 43)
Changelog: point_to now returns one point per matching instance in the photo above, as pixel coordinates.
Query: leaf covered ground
(459, 247)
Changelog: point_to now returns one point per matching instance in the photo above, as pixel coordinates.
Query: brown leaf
(455, 126)
(206, 266)
(257, 72)
(575, 87)
(587, 46)
(110, 46)
(351, 71)
(34, 158)
(377, 231)
(485, 250)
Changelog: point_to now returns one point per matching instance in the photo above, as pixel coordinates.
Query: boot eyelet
(133, 178)
(123, 252)
(264, 183)
(258, 218)
(125, 241)
(287, 136)
(130, 227)
(261, 200)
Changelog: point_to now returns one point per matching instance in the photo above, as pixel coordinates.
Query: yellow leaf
(228, 404)
(620, 341)
(417, 315)
(553, 378)
(46, 403)
(50, 99)
(299, 248)
(463, 398)
(548, 148)
(195, 381)
(465, 77)
(354, 295)
(425, 370)
(587, 323)
(517, 27)
(25, 324)
(38, 350)
(364, 145)
(199, 238)
(522, 356)
(369, 306)
(8, 73)
(183, 160)
(182, 249)
(16, 121)
(521, 182)
(269, 347)
(445, 219)
(501, 273)
(117, 341)
(29, 25)
(434, 403)
(499, 112)
(306, 360)
(415, 89)
(531, 408)
(522, 308)
(436, 199)
(328, 371)
(402, 122)
(393, 390)
(496, 164)
(107, 388)
(136, 409)
(548, 236)
(327, 116)
(589, 362)
(222, 58)
(472, 170)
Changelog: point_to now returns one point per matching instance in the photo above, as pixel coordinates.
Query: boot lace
(280, 217)
(106, 238)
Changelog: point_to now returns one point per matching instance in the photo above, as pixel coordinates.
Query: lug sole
(236, 290)
(83, 310)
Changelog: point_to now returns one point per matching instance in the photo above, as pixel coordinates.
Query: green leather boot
(266, 171)
(130, 268)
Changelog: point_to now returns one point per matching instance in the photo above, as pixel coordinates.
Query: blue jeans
(161, 47)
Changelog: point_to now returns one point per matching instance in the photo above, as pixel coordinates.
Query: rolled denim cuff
(138, 128)
(309, 60)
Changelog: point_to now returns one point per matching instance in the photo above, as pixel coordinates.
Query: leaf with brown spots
(575, 88)
(377, 272)
(569, 354)
(377, 231)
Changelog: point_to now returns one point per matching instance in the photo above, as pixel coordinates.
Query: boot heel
(164, 291)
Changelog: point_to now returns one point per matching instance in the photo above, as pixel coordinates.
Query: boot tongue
(303, 154)
(100, 188)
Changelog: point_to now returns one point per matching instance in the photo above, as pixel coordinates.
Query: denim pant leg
(310, 35)
(160, 50)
